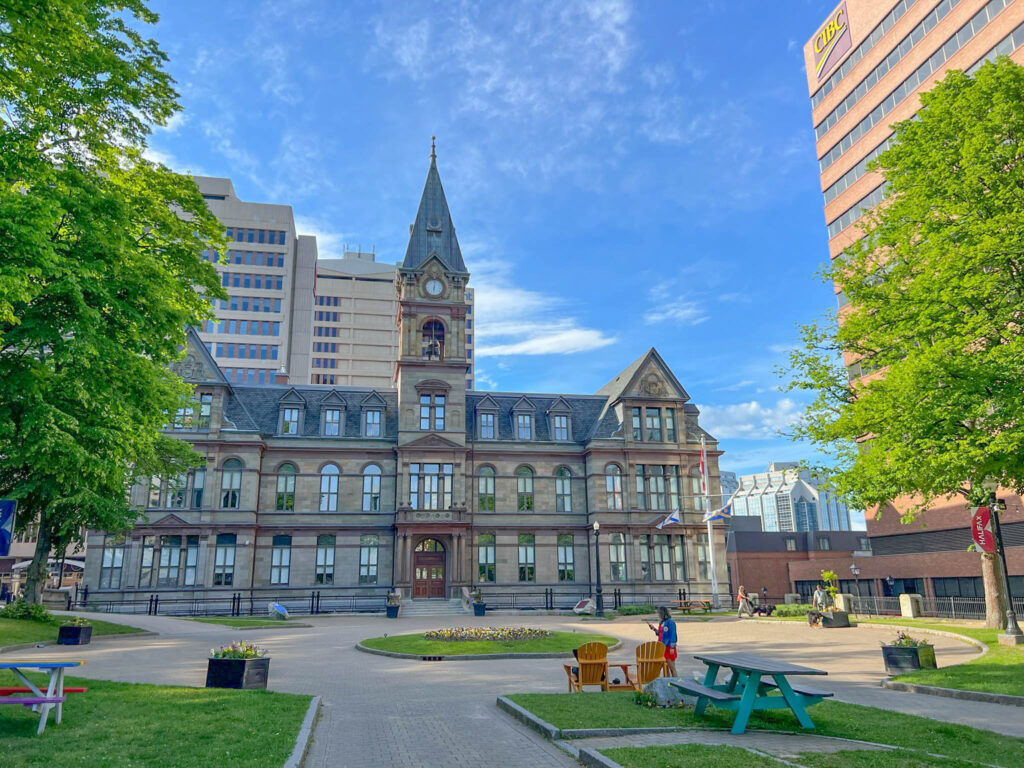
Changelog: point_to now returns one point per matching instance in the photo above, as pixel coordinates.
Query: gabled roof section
(559, 406)
(292, 396)
(524, 404)
(648, 376)
(334, 398)
(373, 399)
(488, 404)
(198, 365)
(433, 233)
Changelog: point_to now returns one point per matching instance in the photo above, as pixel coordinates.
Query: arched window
(563, 490)
(433, 340)
(230, 484)
(485, 490)
(371, 488)
(524, 483)
(329, 488)
(285, 488)
(613, 486)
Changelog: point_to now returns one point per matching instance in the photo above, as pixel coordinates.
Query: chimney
(281, 377)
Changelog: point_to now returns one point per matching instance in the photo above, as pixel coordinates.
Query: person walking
(820, 599)
(666, 631)
(744, 604)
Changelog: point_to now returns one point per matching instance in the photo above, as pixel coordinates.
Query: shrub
(903, 640)
(19, 609)
(76, 621)
(238, 650)
(635, 610)
(793, 609)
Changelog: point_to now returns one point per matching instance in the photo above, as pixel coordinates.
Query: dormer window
(433, 340)
(332, 422)
(524, 426)
(560, 427)
(289, 421)
(372, 409)
(292, 409)
(486, 426)
(371, 423)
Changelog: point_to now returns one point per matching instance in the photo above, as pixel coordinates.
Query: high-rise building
(730, 483)
(788, 498)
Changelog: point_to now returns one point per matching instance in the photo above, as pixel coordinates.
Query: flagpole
(711, 534)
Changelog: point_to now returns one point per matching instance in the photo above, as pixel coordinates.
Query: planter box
(479, 609)
(238, 673)
(392, 611)
(835, 619)
(72, 635)
(900, 659)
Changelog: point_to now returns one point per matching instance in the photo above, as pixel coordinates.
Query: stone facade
(428, 487)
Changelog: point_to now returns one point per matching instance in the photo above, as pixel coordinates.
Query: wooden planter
(247, 674)
(902, 659)
(72, 635)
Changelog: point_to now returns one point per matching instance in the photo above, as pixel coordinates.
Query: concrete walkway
(383, 711)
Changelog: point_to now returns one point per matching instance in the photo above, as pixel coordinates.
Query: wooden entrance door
(428, 569)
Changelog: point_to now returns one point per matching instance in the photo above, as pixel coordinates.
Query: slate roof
(258, 409)
(585, 420)
(433, 231)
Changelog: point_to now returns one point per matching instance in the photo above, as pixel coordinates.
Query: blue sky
(620, 175)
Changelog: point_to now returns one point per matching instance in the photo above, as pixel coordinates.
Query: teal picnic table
(40, 702)
(752, 687)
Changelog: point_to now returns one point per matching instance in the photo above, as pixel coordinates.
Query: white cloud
(330, 243)
(679, 312)
(516, 321)
(750, 420)
(738, 385)
(482, 380)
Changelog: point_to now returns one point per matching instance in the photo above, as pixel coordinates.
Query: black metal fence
(249, 602)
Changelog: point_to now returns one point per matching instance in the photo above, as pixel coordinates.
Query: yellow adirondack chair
(650, 663)
(591, 665)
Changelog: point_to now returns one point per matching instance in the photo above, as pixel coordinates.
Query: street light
(856, 576)
(990, 485)
(597, 561)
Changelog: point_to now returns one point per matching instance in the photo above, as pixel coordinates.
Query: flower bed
(238, 650)
(499, 634)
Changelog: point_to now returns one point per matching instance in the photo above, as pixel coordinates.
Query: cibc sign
(831, 42)
(981, 529)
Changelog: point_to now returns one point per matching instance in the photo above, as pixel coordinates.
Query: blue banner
(7, 509)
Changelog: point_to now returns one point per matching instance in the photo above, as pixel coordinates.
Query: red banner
(981, 530)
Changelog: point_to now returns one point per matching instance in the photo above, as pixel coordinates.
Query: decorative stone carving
(654, 386)
(190, 369)
(432, 515)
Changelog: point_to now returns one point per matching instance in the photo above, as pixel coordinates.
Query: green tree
(934, 315)
(101, 269)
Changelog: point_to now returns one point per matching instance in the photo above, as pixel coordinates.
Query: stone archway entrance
(428, 565)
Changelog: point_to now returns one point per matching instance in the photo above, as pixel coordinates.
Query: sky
(621, 175)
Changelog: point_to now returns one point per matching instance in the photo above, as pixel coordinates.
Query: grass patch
(700, 756)
(1001, 670)
(416, 645)
(831, 718)
(126, 724)
(228, 621)
(18, 631)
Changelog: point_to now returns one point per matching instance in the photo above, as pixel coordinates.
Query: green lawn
(415, 644)
(1001, 670)
(831, 718)
(18, 631)
(125, 724)
(228, 621)
(700, 756)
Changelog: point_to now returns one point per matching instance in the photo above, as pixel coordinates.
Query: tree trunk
(995, 599)
(35, 578)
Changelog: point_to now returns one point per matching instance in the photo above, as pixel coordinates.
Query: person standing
(666, 631)
(820, 599)
(744, 604)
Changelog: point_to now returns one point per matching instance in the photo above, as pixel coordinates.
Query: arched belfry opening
(433, 340)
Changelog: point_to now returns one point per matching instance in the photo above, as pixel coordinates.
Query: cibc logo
(831, 42)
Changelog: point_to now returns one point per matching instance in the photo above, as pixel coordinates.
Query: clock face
(434, 287)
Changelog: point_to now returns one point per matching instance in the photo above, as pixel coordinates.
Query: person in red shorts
(666, 631)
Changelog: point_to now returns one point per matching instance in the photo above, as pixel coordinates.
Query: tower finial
(433, 153)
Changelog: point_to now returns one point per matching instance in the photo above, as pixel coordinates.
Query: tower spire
(433, 233)
(433, 151)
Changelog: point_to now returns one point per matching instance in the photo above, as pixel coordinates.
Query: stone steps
(433, 608)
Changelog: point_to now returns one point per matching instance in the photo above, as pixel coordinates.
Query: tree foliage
(935, 289)
(101, 269)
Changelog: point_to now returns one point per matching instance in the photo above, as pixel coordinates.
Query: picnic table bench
(747, 692)
(693, 605)
(40, 702)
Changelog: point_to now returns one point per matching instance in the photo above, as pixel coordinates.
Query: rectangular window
(325, 559)
(613, 487)
(146, 563)
(430, 486)
(205, 408)
(644, 545)
(703, 557)
(372, 424)
(641, 485)
(281, 560)
(527, 567)
(563, 491)
(678, 559)
(224, 560)
(790, 545)
(672, 475)
(524, 490)
(566, 569)
(112, 562)
(290, 421)
(617, 556)
(198, 486)
(670, 425)
(653, 420)
(824, 543)
(191, 560)
(368, 559)
(485, 490)
(655, 486)
(177, 491)
(332, 422)
(170, 561)
(432, 412)
(638, 432)
(485, 558)
(561, 427)
(486, 426)
(662, 558)
(524, 426)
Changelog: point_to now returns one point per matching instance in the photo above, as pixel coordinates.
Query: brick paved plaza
(383, 711)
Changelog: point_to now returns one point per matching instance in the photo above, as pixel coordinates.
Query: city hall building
(428, 486)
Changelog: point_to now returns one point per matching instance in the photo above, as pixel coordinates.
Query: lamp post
(855, 572)
(1012, 629)
(597, 567)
